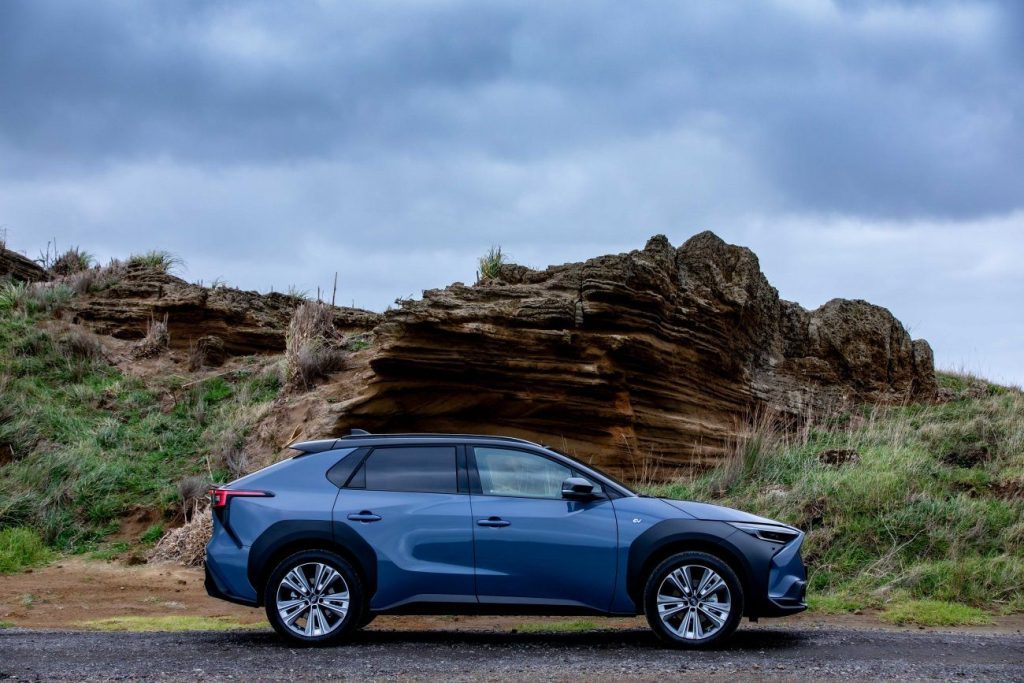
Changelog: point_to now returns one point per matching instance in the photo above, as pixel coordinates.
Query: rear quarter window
(420, 469)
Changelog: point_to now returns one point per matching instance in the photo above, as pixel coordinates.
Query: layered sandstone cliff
(661, 354)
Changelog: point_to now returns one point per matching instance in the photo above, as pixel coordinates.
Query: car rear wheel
(693, 600)
(314, 597)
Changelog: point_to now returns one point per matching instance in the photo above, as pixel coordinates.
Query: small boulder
(968, 456)
(839, 456)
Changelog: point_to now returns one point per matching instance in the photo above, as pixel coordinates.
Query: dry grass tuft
(313, 347)
(78, 344)
(156, 341)
(187, 544)
(192, 490)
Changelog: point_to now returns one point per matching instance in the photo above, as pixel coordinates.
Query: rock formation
(14, 266)
(243, 322)
(658, 357)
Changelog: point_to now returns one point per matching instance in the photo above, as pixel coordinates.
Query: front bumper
(787, 581)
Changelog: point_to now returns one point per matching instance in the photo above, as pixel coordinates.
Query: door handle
(364, 516)
(493, 521)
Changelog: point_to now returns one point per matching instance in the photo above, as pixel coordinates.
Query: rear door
(408, 504)
(533, 546)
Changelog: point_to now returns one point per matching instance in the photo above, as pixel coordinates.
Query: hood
(717, 513)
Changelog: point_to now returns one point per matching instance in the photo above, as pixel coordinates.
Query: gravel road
(766, 653)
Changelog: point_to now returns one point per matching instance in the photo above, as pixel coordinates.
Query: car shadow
(743, 640)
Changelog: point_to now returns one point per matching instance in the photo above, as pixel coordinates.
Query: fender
(307, 533)
(750, 560)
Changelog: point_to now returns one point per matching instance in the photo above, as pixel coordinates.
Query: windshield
(593, 469)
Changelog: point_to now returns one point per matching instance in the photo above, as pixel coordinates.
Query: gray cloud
(274, 143)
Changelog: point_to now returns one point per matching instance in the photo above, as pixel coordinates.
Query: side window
(507, 472)
(422, 469)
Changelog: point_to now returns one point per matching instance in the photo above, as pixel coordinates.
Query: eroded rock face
(17, 267)
(244, 322)
(658, 355)
(652, 359)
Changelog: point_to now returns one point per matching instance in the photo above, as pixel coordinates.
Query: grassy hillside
(904, 506)
(83, 444)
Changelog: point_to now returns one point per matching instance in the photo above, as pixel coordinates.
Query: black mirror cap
(577, 487)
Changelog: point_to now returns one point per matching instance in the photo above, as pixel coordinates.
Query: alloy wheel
(694, 602)
(312, 599)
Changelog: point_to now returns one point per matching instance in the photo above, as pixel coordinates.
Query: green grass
(163, 261)
(574, 626)
(6, 624)
(490, 264)
(21, 548)
(908, 521)
(88, 443)
(152, 534)
(834, 604)
(167, 623)
(107, 552)
(935, 613)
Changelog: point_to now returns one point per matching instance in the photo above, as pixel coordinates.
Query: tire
(308, 614)
(692, 621)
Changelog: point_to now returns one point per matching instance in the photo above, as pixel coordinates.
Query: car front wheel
(314, 597)
(693, 600)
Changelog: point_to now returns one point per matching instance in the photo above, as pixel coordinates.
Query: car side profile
(362, 525)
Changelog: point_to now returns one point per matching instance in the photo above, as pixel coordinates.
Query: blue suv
(362, 525)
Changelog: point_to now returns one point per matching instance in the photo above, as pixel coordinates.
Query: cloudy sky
(863, 149)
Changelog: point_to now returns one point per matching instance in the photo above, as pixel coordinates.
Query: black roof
(357, 438)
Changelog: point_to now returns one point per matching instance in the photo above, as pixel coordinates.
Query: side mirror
(577, 488)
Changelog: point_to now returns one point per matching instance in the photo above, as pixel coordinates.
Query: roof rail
(439, 435)
(316, 446)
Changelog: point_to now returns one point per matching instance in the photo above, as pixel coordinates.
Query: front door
(533, 546)
(406, 503)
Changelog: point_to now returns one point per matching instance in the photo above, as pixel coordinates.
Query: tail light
(221, 497)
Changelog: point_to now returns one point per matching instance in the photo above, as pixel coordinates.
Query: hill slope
(125, 390)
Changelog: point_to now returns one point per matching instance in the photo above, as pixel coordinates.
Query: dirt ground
(75, 590)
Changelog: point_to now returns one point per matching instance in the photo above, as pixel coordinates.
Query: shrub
(490, 264)
(161, 261)
(79, 344)
(312, 344)
(29, 298)
(21, 548)
(192, 490)
(72, 261)
(13, 296)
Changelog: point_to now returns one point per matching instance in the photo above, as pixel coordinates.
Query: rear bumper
(215, 589)
(226, 562)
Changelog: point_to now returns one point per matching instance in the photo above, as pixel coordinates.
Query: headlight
(767, 532)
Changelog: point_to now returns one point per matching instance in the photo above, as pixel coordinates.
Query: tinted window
(507, 472)
(428, 469)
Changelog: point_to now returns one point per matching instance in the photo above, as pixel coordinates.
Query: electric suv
(362, 525)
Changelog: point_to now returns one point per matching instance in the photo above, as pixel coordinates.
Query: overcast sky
(867, 150)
